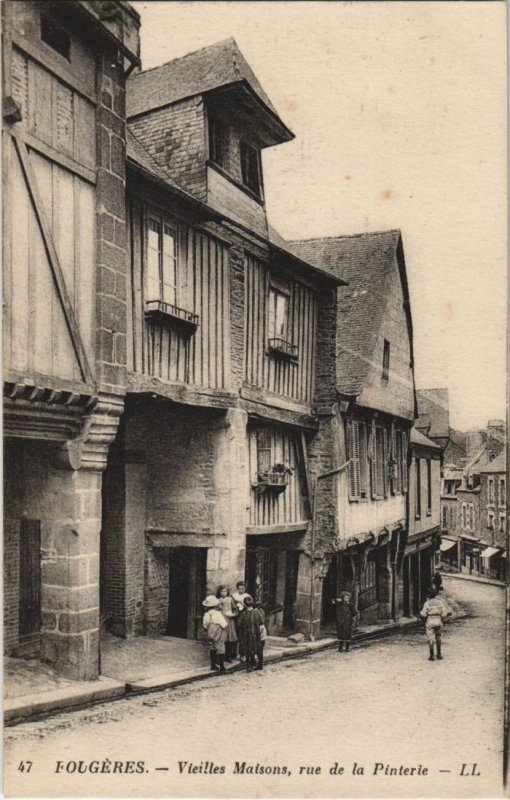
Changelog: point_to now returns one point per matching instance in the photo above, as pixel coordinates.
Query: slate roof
(137, 153)
(419, 439)
(367, 262)
(195, 73)
(434, 411)
(498, 464)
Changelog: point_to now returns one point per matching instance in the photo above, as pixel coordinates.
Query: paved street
(384, 702)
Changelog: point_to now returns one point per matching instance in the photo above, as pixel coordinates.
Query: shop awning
(490, 551)
(447, 544)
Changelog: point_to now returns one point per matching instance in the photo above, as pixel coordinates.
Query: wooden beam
(290, 527)
(304, 473)
(56, 269)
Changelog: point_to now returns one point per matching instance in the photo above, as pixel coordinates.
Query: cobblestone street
(382, 703)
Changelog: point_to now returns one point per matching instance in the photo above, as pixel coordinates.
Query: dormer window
(218, 142)
(250, 168)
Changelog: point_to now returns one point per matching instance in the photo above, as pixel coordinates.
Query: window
(471, 517)
(358, 461)
(55, 35)
(161, 262)
(490, 520)
(278, 314)
(502, 492)
(490, 492)
(250, 167)
(429, 486)
(367, 586)
(502, 523)
(386, 361)
(417, 464)
(464, 517)
(377, 455)
(218, 142)
(445, 517)
(264, 462)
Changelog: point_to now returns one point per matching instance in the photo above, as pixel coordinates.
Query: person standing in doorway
(216, 626)
(228, 608)
(345, 616)
(249, 630)
(433, 612)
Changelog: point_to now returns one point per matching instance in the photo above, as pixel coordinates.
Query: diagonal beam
(56, 269)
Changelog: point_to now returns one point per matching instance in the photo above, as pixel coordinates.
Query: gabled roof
(498, 464)
(433, 410)
(217, 66)
(367, 262)
(418, 438)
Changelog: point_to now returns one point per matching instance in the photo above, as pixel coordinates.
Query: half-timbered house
(64, 259)
(209, 479)
(373, 415)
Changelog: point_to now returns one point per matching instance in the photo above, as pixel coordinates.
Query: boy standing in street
(433, 612)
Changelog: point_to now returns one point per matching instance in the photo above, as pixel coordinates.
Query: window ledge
(173, 315)
(279, 347)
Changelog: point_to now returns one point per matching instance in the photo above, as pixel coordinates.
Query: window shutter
(354, 460)
(386, 456)
(393, 455)
(404, 461)
(372, 447)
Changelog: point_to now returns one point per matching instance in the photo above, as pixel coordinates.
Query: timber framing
(56, 269)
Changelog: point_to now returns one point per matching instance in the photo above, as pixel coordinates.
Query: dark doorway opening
(289, 601)
(330, 592)
(29, 588)
(187, 582)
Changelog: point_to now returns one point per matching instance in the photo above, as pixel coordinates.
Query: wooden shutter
(393, 455)
(372, 449)
(404, 461)
(354, 460)
(386, 456)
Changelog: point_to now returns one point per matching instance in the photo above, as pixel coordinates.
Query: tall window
(490, 491)
(502, 523)
(218, 141)
(490, 520)
(386, 361)
(161, 262)
(464, 517)
(445, 517)
(502, 492)
(358, 460)
(418, 487)
(429, 486)
(377, 463)
(278, 314)
(250, 167)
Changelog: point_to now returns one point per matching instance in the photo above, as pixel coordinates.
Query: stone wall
(67, 504)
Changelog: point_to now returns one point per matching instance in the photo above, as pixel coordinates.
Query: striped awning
(447, 544)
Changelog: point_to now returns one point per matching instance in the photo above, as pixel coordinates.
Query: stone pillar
(226, 561)
(385, 584)
(70, 578)
(309, 594)
(70, 558)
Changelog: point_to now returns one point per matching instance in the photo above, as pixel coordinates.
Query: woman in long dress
(249, 632)
(228, 608)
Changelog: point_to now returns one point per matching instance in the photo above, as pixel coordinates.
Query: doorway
(29, 588)
(289, 601)
(187, 582)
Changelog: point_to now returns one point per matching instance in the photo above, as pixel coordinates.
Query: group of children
(233, 620)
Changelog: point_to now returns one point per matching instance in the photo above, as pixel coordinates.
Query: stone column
(70, 559)
(309, 593)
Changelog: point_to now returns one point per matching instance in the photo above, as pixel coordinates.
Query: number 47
(24, 766)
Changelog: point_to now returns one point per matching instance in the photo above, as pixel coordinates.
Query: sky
(399, 113)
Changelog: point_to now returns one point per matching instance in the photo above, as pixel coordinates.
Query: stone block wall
(68, 506)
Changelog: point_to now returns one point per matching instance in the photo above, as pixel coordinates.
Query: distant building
(434, 422)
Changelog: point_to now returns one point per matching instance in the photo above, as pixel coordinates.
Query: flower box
(281, 347)
(173, 315)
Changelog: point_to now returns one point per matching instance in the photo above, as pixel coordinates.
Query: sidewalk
(142, 664)
(477, 578)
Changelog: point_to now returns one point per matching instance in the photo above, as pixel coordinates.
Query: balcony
(281, 348)
(276, 480)
(174, 316)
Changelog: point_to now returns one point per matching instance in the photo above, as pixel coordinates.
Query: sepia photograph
(255, 484)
